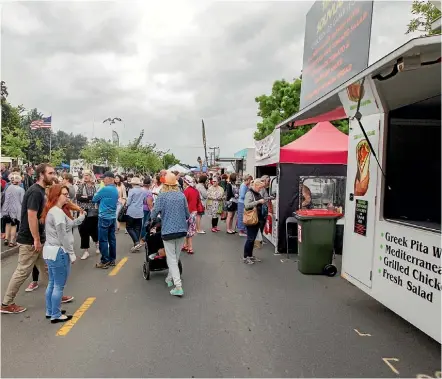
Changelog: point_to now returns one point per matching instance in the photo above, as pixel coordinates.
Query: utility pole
(214, 148)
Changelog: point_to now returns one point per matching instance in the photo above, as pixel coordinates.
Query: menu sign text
(336, 46)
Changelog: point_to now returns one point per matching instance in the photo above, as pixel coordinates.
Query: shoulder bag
(91, 212)
(250, 216)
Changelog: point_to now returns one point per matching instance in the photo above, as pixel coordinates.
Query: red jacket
(192, 196)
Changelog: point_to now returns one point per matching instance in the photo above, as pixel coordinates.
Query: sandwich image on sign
(355, 91)
(362, 179)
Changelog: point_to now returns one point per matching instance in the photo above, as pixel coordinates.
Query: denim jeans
(107, 240)
(145, 220)
(58, 274)
(241, 226)
(133, 227)
(252, 232)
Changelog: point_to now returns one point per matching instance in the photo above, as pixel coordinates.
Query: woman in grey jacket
(253, 199)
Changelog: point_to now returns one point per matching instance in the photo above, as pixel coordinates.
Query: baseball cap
(108, 174)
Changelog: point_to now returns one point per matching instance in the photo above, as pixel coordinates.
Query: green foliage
(281, 104)
(57, 157)
(426, 13)
(100, 152)
(141, 159)
(169, 160)
(14, 143)
(70, 143)
(14, 139)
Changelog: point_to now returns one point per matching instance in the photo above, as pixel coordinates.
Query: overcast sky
(162, 67)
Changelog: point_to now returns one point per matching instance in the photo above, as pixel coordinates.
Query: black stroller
(154, 261)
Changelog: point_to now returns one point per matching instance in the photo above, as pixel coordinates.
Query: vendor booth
(392, 241)
(314, 163)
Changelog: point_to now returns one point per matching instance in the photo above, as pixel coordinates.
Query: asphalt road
(235, 320)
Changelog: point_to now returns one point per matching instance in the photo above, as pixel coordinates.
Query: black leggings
(214, 222)
(133, 227)
(88, 229)
(35, 274)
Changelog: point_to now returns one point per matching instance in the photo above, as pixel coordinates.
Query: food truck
(392, 240)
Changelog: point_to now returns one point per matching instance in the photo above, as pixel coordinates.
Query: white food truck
(392, 239)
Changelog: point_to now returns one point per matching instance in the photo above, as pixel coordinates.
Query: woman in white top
(122, 196)
(58, 251)
(156, 187)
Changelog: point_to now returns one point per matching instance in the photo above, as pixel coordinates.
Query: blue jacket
(242, 192)
(107, 197)
(174, 214)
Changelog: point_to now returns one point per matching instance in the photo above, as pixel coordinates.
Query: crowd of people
(40, 208)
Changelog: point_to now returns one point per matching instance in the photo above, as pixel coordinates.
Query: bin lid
(313, 213)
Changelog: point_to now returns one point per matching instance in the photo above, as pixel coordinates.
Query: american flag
(45, 122)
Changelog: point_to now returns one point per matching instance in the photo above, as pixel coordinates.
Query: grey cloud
(237, 51)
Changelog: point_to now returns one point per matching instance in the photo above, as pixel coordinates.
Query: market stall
(392, 241)
(315, 162)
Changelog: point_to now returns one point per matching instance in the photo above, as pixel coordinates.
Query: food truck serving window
(412, 193)
(322, 192)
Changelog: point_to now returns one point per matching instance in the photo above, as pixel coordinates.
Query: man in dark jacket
(28, 180)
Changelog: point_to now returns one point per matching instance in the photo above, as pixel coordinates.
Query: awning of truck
(324, 144)
(327, 107)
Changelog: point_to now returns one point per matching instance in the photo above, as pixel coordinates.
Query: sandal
(184, 248)
(190, 252)
(6, 242)
(12, 244)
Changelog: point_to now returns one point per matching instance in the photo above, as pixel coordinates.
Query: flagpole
(93, 128)
(50, 140)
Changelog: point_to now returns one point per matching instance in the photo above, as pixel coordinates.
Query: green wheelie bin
(316, 234)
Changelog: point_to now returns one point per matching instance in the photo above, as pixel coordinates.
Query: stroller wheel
(146, 271)
(180, 267)
(330, 270)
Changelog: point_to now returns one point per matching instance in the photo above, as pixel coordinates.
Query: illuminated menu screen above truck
(336, 46)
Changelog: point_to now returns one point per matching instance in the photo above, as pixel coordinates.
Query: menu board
(361, 217)
(336, 46)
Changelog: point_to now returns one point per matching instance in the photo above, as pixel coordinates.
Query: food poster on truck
(362, 175)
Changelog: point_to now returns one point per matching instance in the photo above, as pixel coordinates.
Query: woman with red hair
(58, 251)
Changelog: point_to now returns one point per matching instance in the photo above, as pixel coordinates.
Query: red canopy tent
(324, 144)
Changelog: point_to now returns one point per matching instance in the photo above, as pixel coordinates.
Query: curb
(9, 252)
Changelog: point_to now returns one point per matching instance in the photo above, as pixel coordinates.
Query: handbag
(250, 217)
(122, 213)
(91, 212)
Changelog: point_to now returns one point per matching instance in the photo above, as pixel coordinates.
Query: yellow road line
(118, 267)
(66, 328)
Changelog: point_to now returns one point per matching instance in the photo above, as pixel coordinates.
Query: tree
(169, 160)
(70, 143)
(57, 157)
(426, 13)
(14, 139)
(14, 143)
(282, 103)
(100, 152)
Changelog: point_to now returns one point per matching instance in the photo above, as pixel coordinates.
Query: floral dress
(215, 204)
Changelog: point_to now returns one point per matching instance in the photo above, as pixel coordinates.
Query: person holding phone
(58, 251)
